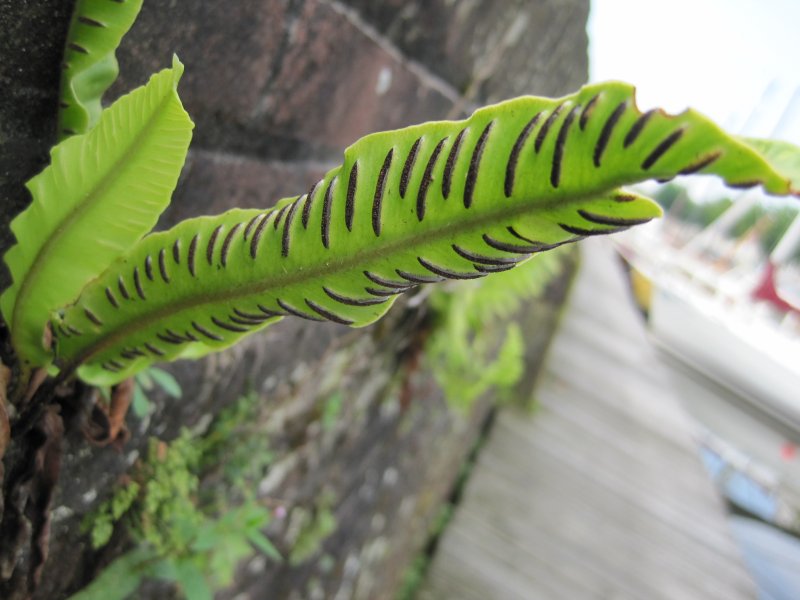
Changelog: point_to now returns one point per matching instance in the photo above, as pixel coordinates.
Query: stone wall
(277, 89)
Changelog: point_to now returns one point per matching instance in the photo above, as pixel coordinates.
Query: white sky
(722, 57)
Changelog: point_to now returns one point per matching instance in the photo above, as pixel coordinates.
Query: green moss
(472, 349)
(186, 534)
(331, 410)
(315, 526)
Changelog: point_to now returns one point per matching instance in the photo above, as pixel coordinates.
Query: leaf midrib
(366, 254)
(64, 226)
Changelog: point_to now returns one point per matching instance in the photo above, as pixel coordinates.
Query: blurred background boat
(725, 300)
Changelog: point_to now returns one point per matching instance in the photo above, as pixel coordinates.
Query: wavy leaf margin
(454, 199)
(90, 64)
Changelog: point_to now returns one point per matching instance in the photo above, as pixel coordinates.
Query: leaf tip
(177, 68)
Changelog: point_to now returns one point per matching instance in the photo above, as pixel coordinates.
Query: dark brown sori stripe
(259, 231)
(308, 204)
(148, 267)
(506, 247)
(203, 331)
(442, 272)
(588, 232)
(540, 137)
(482, 258)
(247, 322)
(183, 338)
(111, 298)
(116, 364)
(226, 244)
(390, 283)
(605, 133)
(518, 235)
(130, 354)
(701, 164)
(286, 239)
(212, 241)
(63, 104)
(637, 128)
(176, 251)
(244, 318)
(90, 22)
(327, 314)
(162, 264)
(350, 201)
(249, 227)
(474, 165)
(417, 278)
(385, 294)
(493, 268)
(228, 326)
(407, 166)
(352, 301)
(452, 157)
(192, 251)
(122, 289)
(558, 152)
(662, 148)
(588, 110)
(606, 220)
(513, 158)
(63, 330)
(623, 197)
(108, 368)
(380, 186)
(190, 336)
(170, 339)
(541, 246)
(279, 217)
(92, 317)
(68, 131)
(326, 213)
(137, 282)
(153, 349)
(74, 331)
(427, 179)
(77, 48)
(297, 313)
(743, 185)
(251, 317)
(268, 312)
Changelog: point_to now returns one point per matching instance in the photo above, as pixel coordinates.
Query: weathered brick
(497, 49)
(230, 50)
(214, 182)
(337, 83)
(277, 79)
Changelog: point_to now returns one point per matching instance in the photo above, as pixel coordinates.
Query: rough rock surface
(277, 88)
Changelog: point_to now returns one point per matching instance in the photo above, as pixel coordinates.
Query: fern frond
(89, 65)
(444, 200)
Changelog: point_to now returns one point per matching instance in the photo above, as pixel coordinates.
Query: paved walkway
(599, 493)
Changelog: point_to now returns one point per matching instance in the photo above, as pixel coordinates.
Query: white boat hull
(741, 351)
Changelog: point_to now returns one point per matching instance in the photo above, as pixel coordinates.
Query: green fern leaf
(103, 191)
(783, 156)
(90, 65)
(441, 200)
